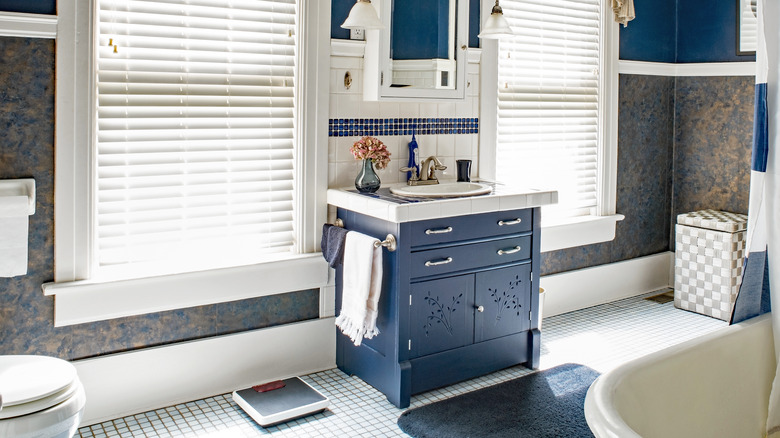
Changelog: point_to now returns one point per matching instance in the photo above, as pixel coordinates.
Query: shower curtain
(762, 265)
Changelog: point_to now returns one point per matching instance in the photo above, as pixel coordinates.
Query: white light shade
(496, 26)
(363, 16)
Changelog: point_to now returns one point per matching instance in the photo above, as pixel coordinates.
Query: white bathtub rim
(601, 415)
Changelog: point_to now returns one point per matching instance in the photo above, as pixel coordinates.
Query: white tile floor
(600, 337)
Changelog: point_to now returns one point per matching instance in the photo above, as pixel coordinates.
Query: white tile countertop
(394, 208)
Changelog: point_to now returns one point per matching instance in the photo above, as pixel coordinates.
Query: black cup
(464, 170)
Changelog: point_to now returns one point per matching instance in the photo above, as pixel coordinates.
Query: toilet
(42, 397)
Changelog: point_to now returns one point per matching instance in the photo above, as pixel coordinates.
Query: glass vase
(367, 181)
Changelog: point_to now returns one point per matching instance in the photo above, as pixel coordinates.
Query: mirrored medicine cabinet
(421, 52)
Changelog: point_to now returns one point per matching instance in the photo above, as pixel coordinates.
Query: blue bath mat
(542, 404)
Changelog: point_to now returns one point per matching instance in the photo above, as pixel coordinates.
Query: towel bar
(390, 243)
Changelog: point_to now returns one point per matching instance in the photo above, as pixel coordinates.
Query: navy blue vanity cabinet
(503, 301)
(441, 315)
(457, 301)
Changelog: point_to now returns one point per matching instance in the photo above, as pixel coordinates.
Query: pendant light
(363, 16)
(496, 25)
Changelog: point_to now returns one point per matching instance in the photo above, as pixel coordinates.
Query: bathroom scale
(280, 401)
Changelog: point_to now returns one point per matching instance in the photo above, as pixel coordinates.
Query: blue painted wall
(421, 29)
(474, 14)
(652, 35)
(682, 31)
(707, 31)
(339, 9)
(443, 31)
(29, 6)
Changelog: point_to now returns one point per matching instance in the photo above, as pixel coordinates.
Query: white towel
(624, 11)
(362, 285)
(13, 235)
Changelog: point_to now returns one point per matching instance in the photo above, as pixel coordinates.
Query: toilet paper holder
(20, 187)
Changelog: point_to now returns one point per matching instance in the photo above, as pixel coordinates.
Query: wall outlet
(357, 34)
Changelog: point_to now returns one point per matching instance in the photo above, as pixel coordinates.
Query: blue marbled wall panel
(714, 120)
(27, 150)
(645, 145)
(26, 315)
(645, 166)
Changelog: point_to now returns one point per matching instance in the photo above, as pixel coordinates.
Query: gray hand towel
(332, 244)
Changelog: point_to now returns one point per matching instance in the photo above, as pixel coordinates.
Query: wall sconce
(496, 25)
(363, 16)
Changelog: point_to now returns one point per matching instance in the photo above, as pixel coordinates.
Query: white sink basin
(442, 190)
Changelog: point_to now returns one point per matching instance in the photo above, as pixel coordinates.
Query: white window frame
(80, 300)
(578, 231)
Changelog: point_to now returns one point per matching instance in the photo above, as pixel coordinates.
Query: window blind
(195, 134)
(548, 101)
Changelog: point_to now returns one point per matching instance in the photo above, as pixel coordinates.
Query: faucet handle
(434, 168)
(410, 169)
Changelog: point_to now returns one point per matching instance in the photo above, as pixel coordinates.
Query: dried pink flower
(371, 148)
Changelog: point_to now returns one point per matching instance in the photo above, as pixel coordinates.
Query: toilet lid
(27, 379)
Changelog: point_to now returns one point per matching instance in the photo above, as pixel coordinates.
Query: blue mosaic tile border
(402, 126)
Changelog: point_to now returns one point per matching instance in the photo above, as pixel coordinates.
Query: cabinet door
(505, 299)
(442, 315)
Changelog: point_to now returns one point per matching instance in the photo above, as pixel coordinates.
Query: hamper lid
(714, 220)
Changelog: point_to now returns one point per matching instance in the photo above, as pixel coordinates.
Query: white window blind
(195, 134)
(548, 101)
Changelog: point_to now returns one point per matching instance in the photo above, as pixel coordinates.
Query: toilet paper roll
(13, 235)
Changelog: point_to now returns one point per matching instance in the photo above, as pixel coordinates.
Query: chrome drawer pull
(509, 251)
(438, 230)
(440, 262)
(512, 222)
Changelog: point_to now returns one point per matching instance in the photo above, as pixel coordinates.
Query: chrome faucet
(427, 172)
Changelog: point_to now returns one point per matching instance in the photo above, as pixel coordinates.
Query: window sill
(578, 231)
(79, 302)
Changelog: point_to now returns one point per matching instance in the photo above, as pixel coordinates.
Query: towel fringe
(356, 331)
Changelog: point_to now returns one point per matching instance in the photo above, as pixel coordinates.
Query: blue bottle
(414, 157)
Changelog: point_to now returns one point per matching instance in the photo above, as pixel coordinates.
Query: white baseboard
(128, 383)
(574, 290)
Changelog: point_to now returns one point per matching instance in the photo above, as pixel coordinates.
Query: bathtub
(714, 386)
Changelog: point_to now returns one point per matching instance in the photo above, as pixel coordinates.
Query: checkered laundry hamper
(709, 253)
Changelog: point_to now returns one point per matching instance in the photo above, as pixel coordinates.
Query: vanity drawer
(454, 229)
(477, 255)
